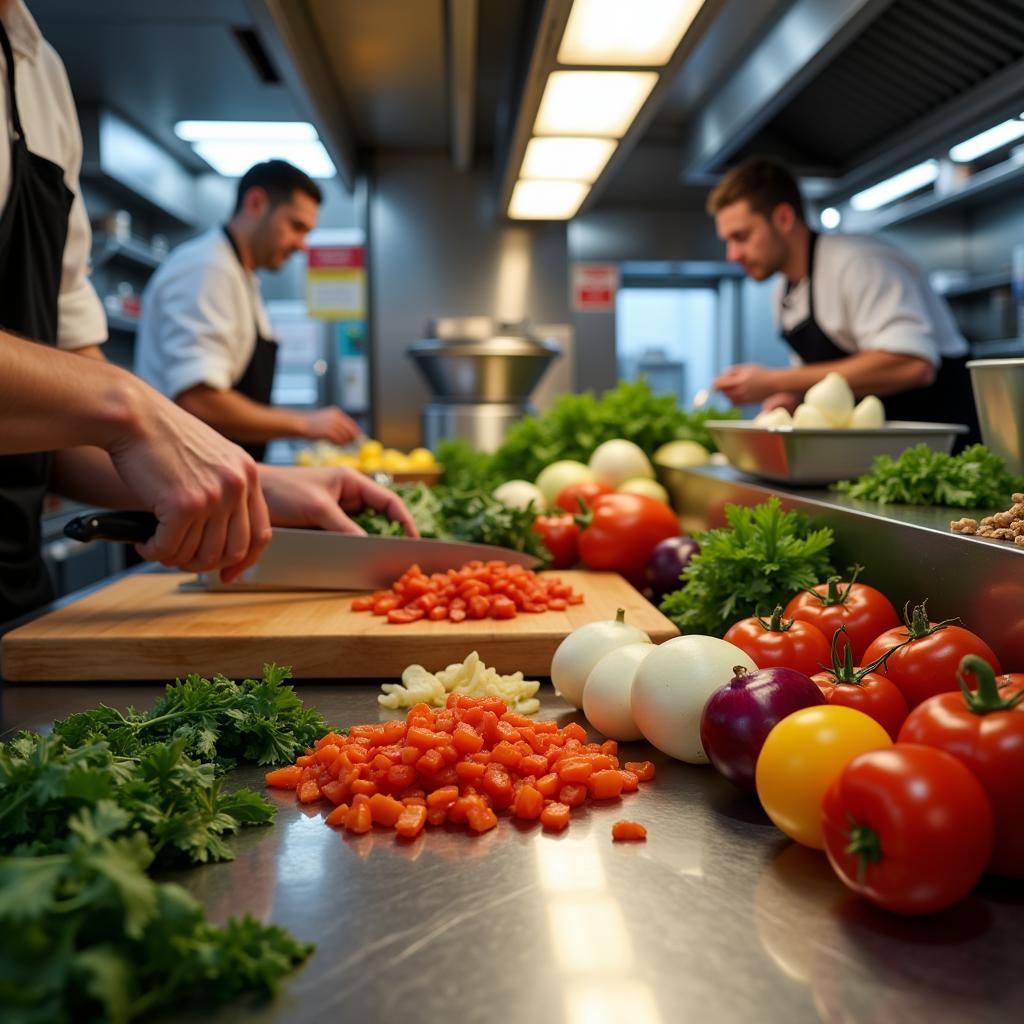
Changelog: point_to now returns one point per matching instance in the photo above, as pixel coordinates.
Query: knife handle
(121, 527)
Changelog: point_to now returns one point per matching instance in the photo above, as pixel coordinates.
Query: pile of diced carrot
(479, 590)
(461, 763)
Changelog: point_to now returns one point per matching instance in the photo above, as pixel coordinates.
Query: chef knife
(313, 559)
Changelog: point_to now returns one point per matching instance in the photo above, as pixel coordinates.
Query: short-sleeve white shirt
(199, 318)
(51, 128)
(869, 295)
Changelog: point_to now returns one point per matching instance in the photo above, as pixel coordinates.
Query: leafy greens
(456, 513)
(761, 560)
(88, 811)
(573, 427)
(976, 478)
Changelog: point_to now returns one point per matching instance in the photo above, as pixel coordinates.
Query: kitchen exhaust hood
(854, 90)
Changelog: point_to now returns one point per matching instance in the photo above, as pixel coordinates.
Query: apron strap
(5, 43)
(810, 275)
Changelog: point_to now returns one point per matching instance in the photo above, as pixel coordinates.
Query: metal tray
(804, 455)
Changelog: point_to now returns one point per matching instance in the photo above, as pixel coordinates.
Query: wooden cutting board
(145, 627)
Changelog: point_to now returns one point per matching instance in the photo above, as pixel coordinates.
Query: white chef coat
(871, 296)
(200, 312)
(51, 130)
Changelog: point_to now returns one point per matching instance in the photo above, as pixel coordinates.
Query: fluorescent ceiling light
(898, 185)
(572, 159)
(245, 131)
(546, 200)
(592, 102)
(830, 218)
(233, 159)
(1001, 135)
(641, 33)
(232, 147)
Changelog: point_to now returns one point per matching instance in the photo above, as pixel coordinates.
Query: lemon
(371, 450)
(305, 457)
(421, 458)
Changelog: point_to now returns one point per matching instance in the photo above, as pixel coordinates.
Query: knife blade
(314, 559)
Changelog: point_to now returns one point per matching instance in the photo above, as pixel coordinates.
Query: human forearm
(52, 399)
(240, 418)
(867, 373)
(88, 475)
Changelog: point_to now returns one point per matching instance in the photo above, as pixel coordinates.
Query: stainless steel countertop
(716, 918)
(908, 551)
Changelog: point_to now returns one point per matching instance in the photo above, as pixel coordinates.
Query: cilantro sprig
(763, 558)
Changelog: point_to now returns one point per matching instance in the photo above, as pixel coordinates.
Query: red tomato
(985, 730)
(909, 827)
(623, 531)
(779, 643)
(873, 694)
(568, 499)
(928, 664)
(864, 611)
(560, 535)
(863, 689)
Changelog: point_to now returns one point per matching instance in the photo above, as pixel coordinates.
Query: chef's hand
(319, 497)
(747, 382)
(787, 400)
(331, 424)
(204, 490)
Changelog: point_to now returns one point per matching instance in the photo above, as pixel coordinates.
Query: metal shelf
(109, 249)
(122, 323)
(977, 283)
(983, 187)
(1003, 347)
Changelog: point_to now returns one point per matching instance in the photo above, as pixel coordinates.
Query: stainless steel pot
(999, 395)
(475, 359)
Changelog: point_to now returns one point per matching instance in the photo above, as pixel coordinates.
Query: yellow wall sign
(336, 282)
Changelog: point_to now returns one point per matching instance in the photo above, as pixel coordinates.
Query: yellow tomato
(801, 757)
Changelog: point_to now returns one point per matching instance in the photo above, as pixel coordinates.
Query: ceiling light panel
(246, 131)
(897, 186)
(985, 142)
(638, 33)
(574, 159)
(233, 158)
(600, 103)
(546, 200)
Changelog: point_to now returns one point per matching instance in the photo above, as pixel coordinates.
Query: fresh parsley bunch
(761, 560)
(258, 720)
(175, 803)
(976, 478)
(87, 811)
(86, 934)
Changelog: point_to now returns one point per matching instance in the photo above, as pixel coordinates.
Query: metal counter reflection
(590, 937)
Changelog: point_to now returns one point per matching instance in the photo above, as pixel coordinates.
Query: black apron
(948, 399)
(33, 230)
(257, 381)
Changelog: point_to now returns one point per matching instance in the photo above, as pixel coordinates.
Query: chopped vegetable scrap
(470, 677)
(626, 830)
(479, 590)
(461, 765)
